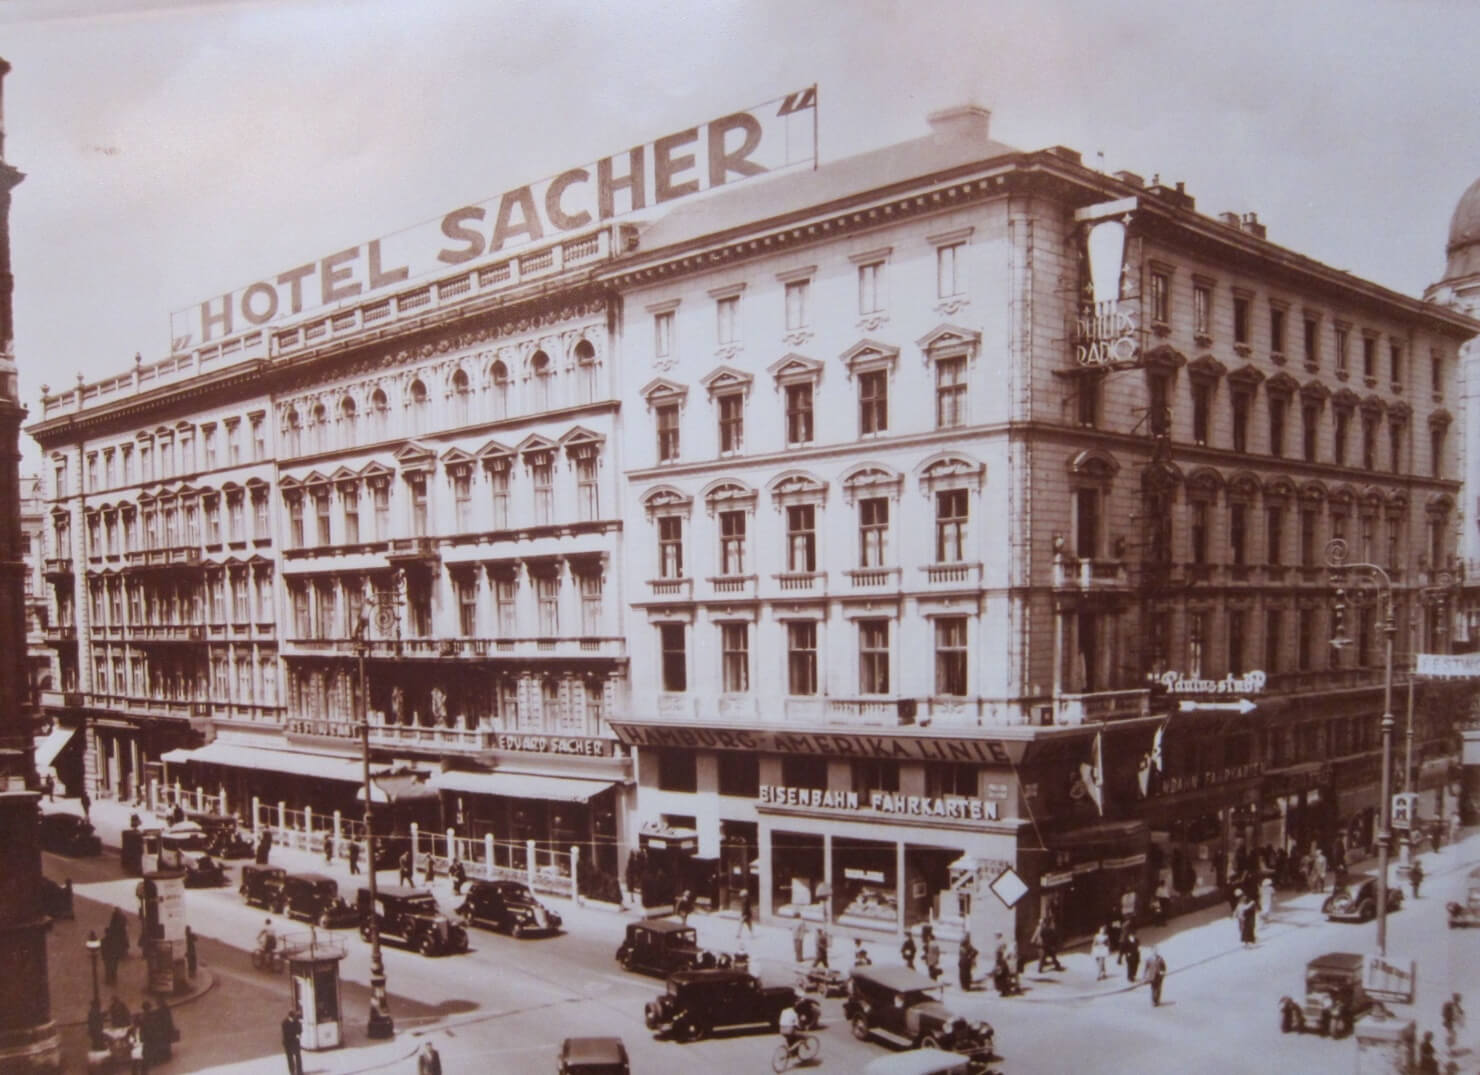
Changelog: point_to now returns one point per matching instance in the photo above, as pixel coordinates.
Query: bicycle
(268, 959)
(800, 1051)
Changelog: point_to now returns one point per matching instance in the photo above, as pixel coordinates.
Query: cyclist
(267, 939)
(790, 1032)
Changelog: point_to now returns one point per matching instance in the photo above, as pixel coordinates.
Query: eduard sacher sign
(752, 142)
(948, 807)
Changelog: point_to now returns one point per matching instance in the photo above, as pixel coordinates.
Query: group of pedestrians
(148, 1035)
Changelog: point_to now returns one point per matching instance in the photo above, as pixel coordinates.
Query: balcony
(1089, 574)
(801, 582)
(168, 632)
(172, 556)
(59, 632)
(57, 567)
(61, 699)
(587, 647)
(412, 550)
(873, 578)
(737, 586)
(952, 575)
(1098, 706)
(435, 739)
(672, 589)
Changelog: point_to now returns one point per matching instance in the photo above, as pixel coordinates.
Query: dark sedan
(68, 834)
(1357, 901)
(509, 907)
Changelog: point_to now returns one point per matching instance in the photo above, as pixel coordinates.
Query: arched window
(461, 399)
(320, 427)
(498, 384)
(540, 371)
(586, 372)
(417, 400)
(347, 415)
(380, 414)
(293, 432)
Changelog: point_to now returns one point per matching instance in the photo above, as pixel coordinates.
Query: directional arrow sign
(1243, 705)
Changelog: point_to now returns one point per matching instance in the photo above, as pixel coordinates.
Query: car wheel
(1368, 912)
(931, 1040)
(427, 945)
(687, 1029)
(518, 930)
(859, 1026)
(651, 1016)
(1325, 1027)
(324, 920)
(1341, 1024)
(625, 959)
(1287, 1019)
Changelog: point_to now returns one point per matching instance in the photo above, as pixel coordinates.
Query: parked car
(1468, 912)
(507, 906)
(68, 834)
(660, 946)
(410, 916)
(1357, 901)
(262, 886)
(1334, 997)
(312, 897)
(593, 1056)
(186, 836)
(906, 1008)
(224, 836)
(202, 871)
(699, 1002)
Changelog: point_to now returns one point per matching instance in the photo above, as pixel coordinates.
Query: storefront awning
(48, 748)
(521, 785)
(288, 762)
(398, 788)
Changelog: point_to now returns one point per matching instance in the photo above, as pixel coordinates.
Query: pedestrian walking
(1116, 927)
(1014, 981)
(328, 847)
(1266, 898)
(405, 863)
(1453, 1014)
(431, 869)
(907, 950)
(1455, 824)
(747, 915)
(1130, 944)
(799, 939)
(1156, 972)
(932, 958)
(1428, 1056)
(1318, 866)
(819, 958)
(109, 952)
(966, 962)
(861, 957)
(264, 846)
(684, 906)
(293, 1041)
(354, 857)
(166, 1031)
(1099, 950)
(138, 1062)
(1046, 937)
(86, 801)
(191, 959)
(1243, 914)
(459, 875)
(429, 1061)
(1415, 875)
(51, 788)
(1436, 833)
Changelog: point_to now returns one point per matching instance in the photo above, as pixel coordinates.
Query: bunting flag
(1092, 773)
(1152, 761)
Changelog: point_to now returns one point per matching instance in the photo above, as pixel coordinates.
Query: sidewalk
(1185, 941)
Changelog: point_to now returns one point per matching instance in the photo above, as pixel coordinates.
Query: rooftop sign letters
(752, 142)
(949, 807)
(1248, 683)
(981, 751)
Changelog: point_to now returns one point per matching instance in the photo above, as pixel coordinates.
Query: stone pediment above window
(1280, 488)
(314, 477)
(796, 487)
(1095, 464)
(1205, 482)
(1314, 392)
(1373, 405)
(951, 471)
(1246, 376)
(1345, 400)
(1440, 419)
(661, 390)
(1343, 496)
(415, 456)
(1282, 384)
(582, 443)
(726, 380)
(726, 495)
(285, 483)
(1313, 492)
(1166, 358)
(872, 480)
(795, 369)
(456, 457)
(666, 500)
(1397, 502)
(495, 454)
(1439, 504)
(947, 340)
(343, 476)
(868, 355)
(374, 470)
(1243, 486)
(1206, 368)
(535, 443)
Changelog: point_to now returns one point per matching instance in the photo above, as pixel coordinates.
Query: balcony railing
(873, 578)
(962, 574)
(439, 738)
(733, 585)
(1102, 706)
(463, 648)
(172, 556)
(57, 566)
(56, 632)
(801, 581)
(674, 589)
(167, 632)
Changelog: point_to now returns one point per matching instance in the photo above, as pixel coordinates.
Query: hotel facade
(827, 538)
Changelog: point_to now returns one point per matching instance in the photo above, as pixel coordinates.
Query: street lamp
(94, 946)
(1437, 593)
(1376, 577)
(380, 1024)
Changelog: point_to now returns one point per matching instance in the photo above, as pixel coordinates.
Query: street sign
(1009, 887)
(1388, 978)
(1243, 705)
(1405, 807)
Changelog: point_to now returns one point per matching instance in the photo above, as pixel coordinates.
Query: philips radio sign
(1105, 333)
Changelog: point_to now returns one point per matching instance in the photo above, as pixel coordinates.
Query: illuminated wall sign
(1106, 332)
(753, 142)
(1248, 683)
(950, 807)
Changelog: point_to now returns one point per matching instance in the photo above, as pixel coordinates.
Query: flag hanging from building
(1152, 762)
(1092, 773)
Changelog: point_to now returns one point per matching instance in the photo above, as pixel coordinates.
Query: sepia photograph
(866, 537)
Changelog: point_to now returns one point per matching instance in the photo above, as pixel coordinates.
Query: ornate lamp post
(1435, 594)
(94, 946)
(380, 1024)
(1375, 577)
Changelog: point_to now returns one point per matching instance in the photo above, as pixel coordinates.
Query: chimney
(1252, 226)
(963, 121)
(1231, 219)
(1065, 153)
(1130, 179)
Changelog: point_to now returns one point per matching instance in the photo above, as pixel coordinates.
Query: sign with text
(1449, 665)
(979, 750)
(1248, 683)
(1389, 978)
(949, 807)
(776, 135)
(554, 744)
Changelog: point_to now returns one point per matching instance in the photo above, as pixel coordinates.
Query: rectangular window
(950, 392)
(547, 601)
(801, 538)
(1161, 297)
(211, 505)
(241, 602)
(295, 521)
(1087, 523)
(588, 501)
(1395, 355)
(1241, 402)
(92, 471)
(1368, 550)
(950, 656)
(349, 499)
(321, 517)
(1087, 399)
(1272, 640)
(1308, 522)
(504, 593)
(1339, 436)
(591, 587)
(1274, 534)
(797, 294)
(1369, 356)
(1312, 341)
(671, 641)
(1305, 638)
(870, 293)
(261, 523)
(735, 657)
(951, 508)
(670, 547)
(1311, 413)
(1237, 628)
(731, 422)
(732, 543)
(1436, 451)
(1202, 310)
(380, 495)
(1343, 346)
(667, 415)
(1395, 447)
(236, 517)
(462, 498)
(1436, 380)
(259, 439)
(1202, 402)
(498, 483)
(416, 485)
(1369, 442)
(1276, 330)
(801, 657)
(542, 478)
(739, 774)
(1240, 319)
(873, 531)
(1238, 533)
(873, 401)
(799, 414)
(467, 604)
(234, 439)
(677, 770)
(1199, 531)
(873, 656)
(950, 270)
(663, 334)
(1277, 409)
(727, 318)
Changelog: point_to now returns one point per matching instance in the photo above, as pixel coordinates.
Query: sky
(178, 149)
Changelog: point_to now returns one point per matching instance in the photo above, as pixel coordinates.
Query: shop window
(874, 774)
(950, 656)
(672, 640)
(677, 771)
(739, 774)
(950, 778)
(801, 657)
(804, 771)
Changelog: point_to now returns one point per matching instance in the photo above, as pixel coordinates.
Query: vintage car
(410, 916)
(224, 837)
(312, 897)
(593, 1056)
(262, 886)
(1357, 901)
(201, 871)
(507, 906)
(1468, 912)
(698, 1002)
(905, 1008)
(660, 946)
(56, 900)
(1334, 997)
(186, 836)
(68, 834)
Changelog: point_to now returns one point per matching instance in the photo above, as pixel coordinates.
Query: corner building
(917, 592)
